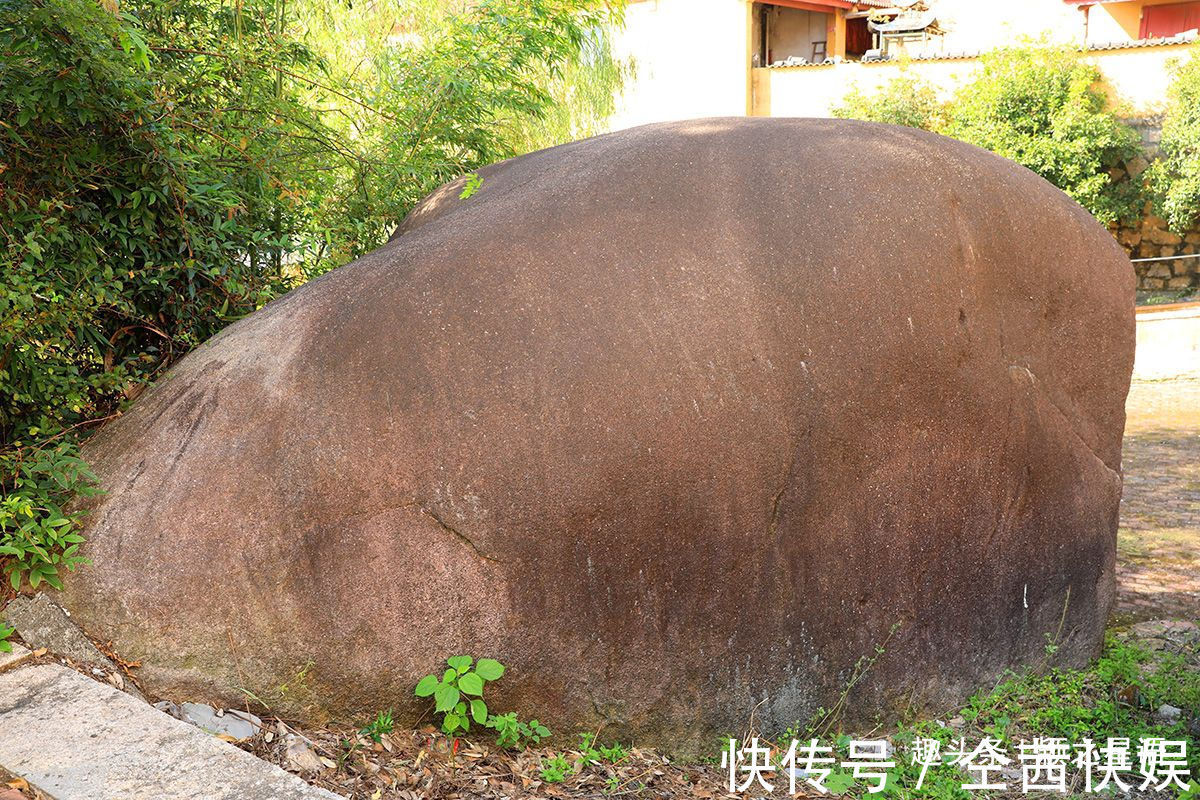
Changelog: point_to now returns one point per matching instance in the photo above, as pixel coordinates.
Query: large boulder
(680, 423)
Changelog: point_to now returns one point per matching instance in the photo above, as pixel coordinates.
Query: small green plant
(1051, 646)
(823, 720)
(378, 727)
(556, 769)
(5, 632)
(512, 733)
(612, 754)
(458, 694)
(299, 682)
(471, 186)
(347, 749)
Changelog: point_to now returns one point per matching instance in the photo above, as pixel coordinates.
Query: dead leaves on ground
(421, 764)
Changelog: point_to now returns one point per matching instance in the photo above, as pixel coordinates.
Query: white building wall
(692, 59)
(1136, 80)
(975, 25)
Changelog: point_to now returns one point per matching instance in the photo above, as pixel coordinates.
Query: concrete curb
(77, 739)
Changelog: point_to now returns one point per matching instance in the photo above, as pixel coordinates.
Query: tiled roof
(1182, 38)
(905, 22)
(963, 55)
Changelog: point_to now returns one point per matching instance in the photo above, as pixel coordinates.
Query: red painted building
(1118, 20)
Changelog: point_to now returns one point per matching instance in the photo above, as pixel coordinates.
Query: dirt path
(1158, 547)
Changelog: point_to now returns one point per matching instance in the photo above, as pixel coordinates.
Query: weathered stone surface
(1168, 714)
(1159, 236)
(678, 423)
(77, 739)
(41, 623)
(1137, 165)
(14, 657)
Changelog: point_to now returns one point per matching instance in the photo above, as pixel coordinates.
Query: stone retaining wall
(1150, 238)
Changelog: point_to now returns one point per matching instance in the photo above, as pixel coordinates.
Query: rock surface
(1168, 714)
(44, 625)
(231, 722)
(679, 423)
(77, 739)
(14, 657)
(41, 623)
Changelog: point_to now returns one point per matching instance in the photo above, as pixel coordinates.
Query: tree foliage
(1175, 175)
(168, 168)
(905, 100)
(447, 102)
(584, 94)
(1037, 105)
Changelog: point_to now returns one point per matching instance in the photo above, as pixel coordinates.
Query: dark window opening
(858, 37)
(790, 35)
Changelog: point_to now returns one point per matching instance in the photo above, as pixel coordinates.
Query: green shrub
(1174, 177)
(132, 231)
(129, 237)
(512, 733)
(38, 538)
(1039, 107)
(904, 101)
(1036, 105)
(584, 91)
(462, 91)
